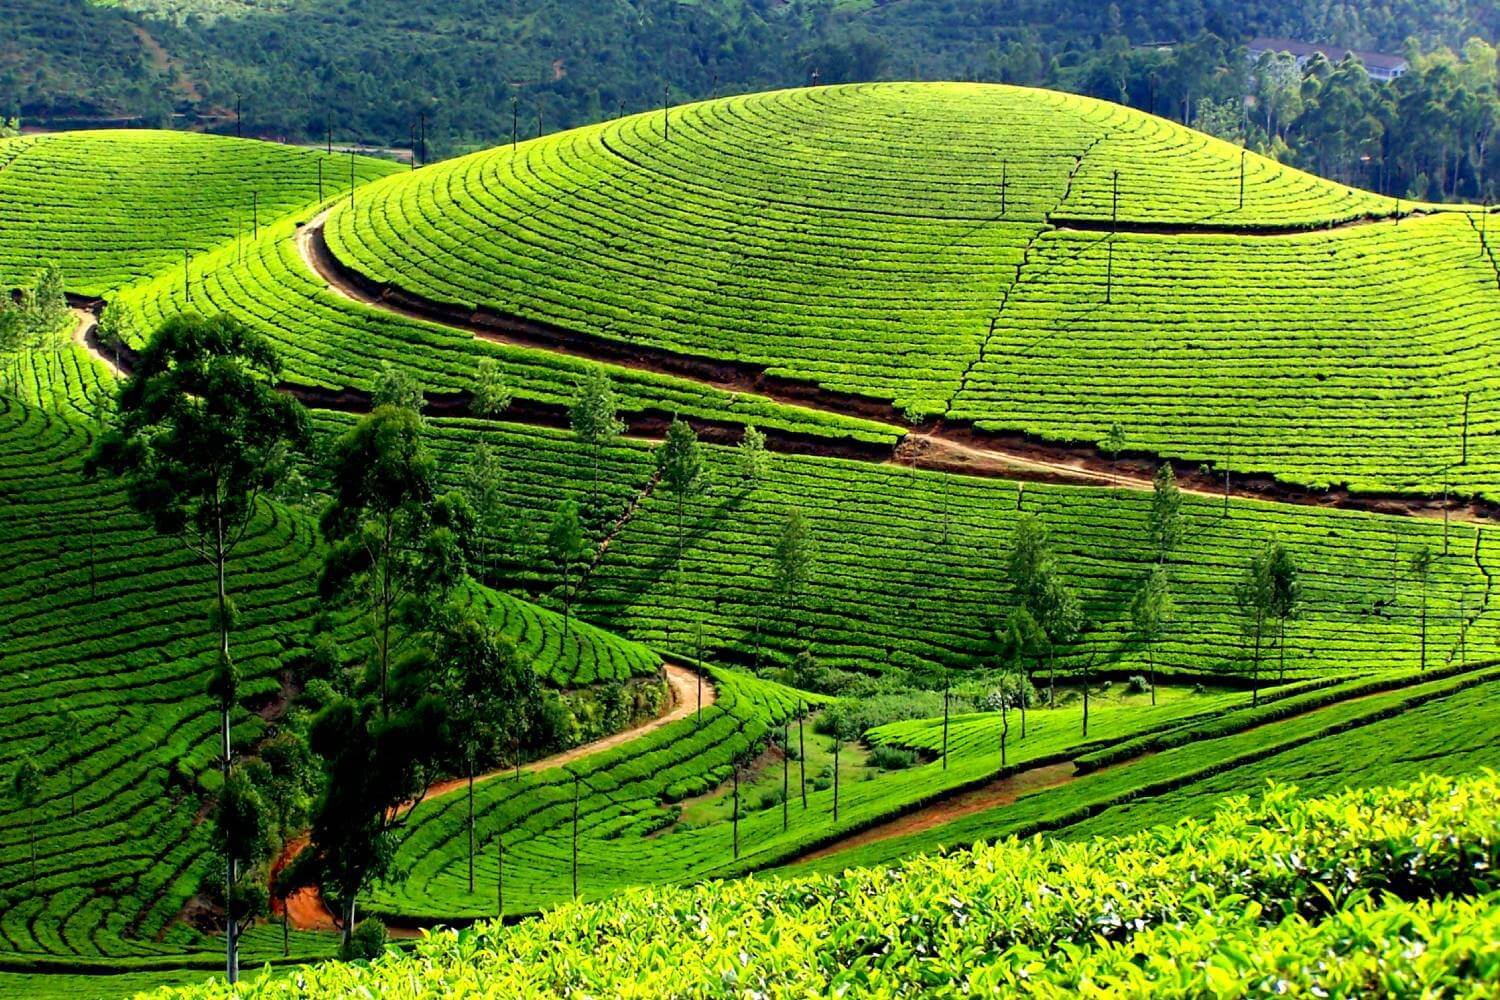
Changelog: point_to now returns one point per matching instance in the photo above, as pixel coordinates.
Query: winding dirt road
(936, 445)
(308, 911)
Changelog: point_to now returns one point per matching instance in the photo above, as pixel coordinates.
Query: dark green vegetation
(569, 63)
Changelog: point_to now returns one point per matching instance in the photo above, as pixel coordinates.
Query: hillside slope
(115, 206)
(957, 252)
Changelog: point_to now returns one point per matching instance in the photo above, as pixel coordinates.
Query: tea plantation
(876, 785)
(113, 207)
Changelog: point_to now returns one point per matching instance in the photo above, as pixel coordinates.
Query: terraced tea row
(857, 237)
(1380, 895)
(113, 207)
(1421, 728)
(887, 592)
(104, 620)
(1336, 358)
(326, 340)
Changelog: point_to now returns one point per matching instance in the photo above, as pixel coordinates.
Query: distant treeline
(369, 69)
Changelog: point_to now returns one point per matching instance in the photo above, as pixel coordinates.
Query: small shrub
(1136, 685)
(892, 758)
(769, 800)
(366, 944)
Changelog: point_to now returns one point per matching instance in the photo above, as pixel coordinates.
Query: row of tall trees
(1427, 135)
(425, 685)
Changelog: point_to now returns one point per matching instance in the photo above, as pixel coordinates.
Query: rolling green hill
(865, 272)
(950, 250)
(106, 622)
(113, 207)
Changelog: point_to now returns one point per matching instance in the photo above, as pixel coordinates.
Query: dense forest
(371, 70)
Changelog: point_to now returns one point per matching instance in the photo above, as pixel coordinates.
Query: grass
(1324, 732)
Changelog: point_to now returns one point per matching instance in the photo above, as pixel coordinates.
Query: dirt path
(308, 911)
(1001, 792)
(937, 445)
(84, 335)
(683, 685)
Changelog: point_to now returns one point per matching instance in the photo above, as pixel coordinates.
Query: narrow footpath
(308, 911)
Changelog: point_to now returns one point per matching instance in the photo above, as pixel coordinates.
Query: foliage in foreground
(1379, 890)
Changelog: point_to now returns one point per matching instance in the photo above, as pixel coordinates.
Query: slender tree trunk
(471, 823)
(575, 836)
(1255, 674)
(945, 726)
(500, 876)
(735, 818)
(1085, 701)
(1281, 649)
(1051, 679)
(1021, 700)
(836, 747)
(1151, 666)
(1004, 723)
(226, 706)
(802, 755)
(286, 929)
(786, 770)
(385, 613)
(1424, 626)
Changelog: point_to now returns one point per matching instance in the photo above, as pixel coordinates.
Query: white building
(1381, 67)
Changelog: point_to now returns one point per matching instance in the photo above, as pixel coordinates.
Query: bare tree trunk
(471, 823)
(802, 755)
(1255, 675)
(1151, 666)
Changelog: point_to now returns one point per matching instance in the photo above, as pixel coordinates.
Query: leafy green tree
(51, 299)
(1150, 611)
(1115, 440)
(245, 840)
(490, 395)
(481, 486)
(491, 693)
(1019, 641)
(378, 764)
(1256, 597)
(288, 788)
(1286, 596)
(566, 546)
(201, 434)
(751, 457)
(1421, 570)
(25, 789)
(1037, 585)
(792, 560)
(594, 417)
(1223, 119)
(679, 464)
(396, 387)
(1166, 523)
(395, 546)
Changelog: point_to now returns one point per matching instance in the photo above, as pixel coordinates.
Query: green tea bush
(1382, 889)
